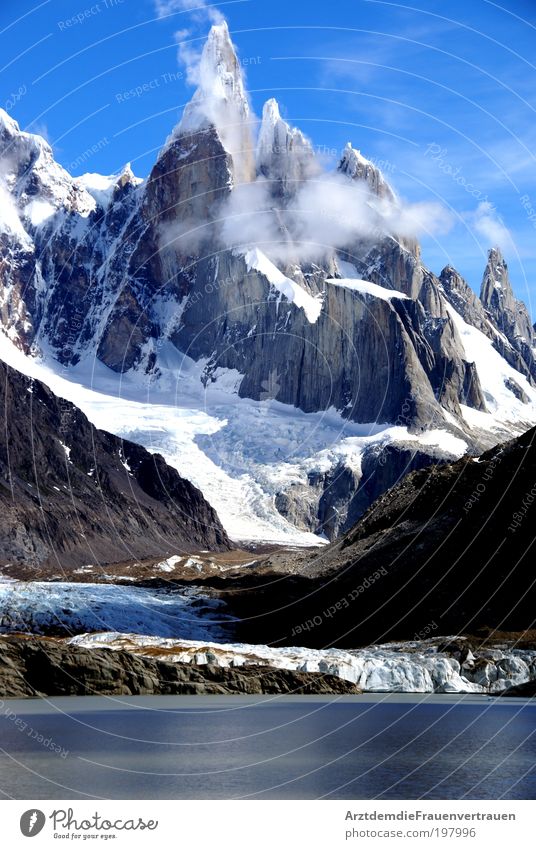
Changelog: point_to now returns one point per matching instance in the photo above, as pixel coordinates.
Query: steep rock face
(343, 359)
(497, 313)
(429, 553)
(284, 155)
(460, 295)
(331, 503)
(357, 167)
(72, 494)
(187, 185)
(381, 468)
(510, 316)
(221, 101)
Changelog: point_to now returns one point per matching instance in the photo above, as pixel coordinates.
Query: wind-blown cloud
(489, 224)
(200, 14)
(327, 213)
(164, 8)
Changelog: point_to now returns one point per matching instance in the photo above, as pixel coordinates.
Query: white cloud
(327, 213)
(490, 225)
(164, 8)
(190, 48)
(189, 55)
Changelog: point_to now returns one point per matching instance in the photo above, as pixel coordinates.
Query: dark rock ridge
(71, 494)
(448, 550)
(333, 501)
(40, 667)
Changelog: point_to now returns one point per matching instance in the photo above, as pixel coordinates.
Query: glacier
(187, 626)
(410, 667)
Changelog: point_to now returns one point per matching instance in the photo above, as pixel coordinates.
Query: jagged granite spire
(284, 155)
(496, 292)
(354, 165)
(220, 101)
(498, 297)
(509, 315)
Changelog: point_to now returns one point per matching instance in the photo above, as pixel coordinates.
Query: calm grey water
(394, 747)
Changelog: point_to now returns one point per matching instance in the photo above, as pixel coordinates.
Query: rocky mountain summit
(234, 254)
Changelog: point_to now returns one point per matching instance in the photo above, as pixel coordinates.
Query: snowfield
(493, 372)
(238, 452)
(365, 287)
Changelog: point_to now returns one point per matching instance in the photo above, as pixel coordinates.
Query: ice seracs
(39, 607)
(411, 667)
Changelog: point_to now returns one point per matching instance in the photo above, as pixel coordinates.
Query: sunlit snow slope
(239, 452)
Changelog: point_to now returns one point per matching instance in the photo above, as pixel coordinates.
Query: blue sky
(442, 96)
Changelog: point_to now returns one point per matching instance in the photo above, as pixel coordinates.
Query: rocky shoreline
(111, 663)
(38, 666)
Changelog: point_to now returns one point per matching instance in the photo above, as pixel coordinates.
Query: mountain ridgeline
(234, 253)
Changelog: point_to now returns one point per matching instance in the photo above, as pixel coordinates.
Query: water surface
(398, 746)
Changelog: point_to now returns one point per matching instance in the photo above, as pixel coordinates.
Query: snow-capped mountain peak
(39, 184)
(356, 166)
(8, 125)
(103, 188)
(221, 101)
(284, 155)
(510, 315)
